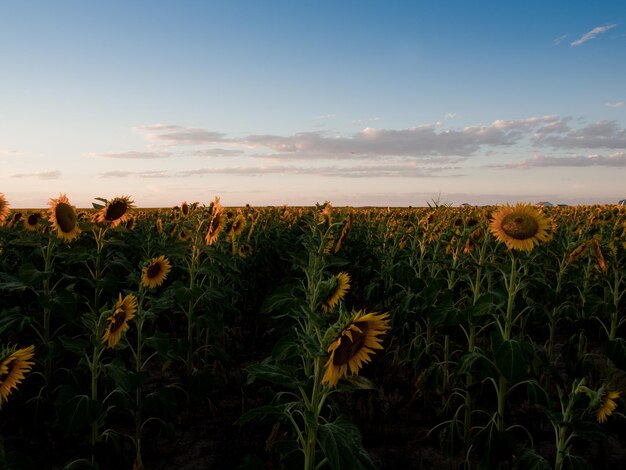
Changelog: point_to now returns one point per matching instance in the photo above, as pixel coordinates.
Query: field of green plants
(319, 338)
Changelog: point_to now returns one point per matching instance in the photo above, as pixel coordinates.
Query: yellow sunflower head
(326, 213)
(216, 223)
(521, 226)
(354, 345)
(238, 224)
(4, 208)
(347, 223)
(607, 405)
(117, 322)
(32, 222)
(184, 208)
(342, 284)
(63, 218)
(115, 211)
(155, 272)
(245, 250)
(14, 363)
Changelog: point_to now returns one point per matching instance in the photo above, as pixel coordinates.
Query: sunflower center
(520, 226)
(348, 348)
(153, 270)
(66, 217)
(116, 210)
(118, 320)
(32, 219)
(215, 223)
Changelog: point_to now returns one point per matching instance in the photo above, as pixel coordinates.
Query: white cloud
(615, 104)
(215, 152)
(171, 135)
(43, 175)
(558, 40)
(592, 34)
(401, 169)
(614, 160)
(131, 155)
(137, 174)
(603, 134)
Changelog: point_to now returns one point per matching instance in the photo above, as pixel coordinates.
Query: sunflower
(238, 224)
(521, 226)
(354, 345)
(155, 272)
(32, 221)
(342, 286)
(347, 223)
(216, 224)
(13, 366)
(4, 208)
(608, 405)
(115, 211)
(123, 310)
(63, 218)
(184, 207)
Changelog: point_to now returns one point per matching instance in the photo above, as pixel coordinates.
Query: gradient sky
(296, 102)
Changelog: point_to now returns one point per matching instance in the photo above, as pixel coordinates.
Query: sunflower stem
(95, 374)
(139, 366)
(48, 262)
(310, 429)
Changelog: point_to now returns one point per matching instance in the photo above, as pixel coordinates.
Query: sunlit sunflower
(115, 211)
(325, 215)
(342, 286)
(184, 207)
(63, 218)
(123, 311)
(155, 272)
(14, 364)
(521, 226)
(4, 208)
(32, 221)
(238, 224)
(216, 224)
(355, 345)
(608, 405)
(347, 223)
(245, 250)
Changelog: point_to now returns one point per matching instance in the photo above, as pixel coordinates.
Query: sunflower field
(318, 337)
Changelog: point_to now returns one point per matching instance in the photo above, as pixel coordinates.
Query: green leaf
(267, 411)
(511, 360)
(573, 462)
(75, 412)
(340, 441)
(286, 348)
(530, 460)
(76, 346)
(616, 352)
(273, 373)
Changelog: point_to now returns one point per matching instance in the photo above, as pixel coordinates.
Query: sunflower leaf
(511, 360)
(281, 375)
(616, 352)
(340, 441)
(76, 346)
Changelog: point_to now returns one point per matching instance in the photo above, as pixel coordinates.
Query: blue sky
(286, 102)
